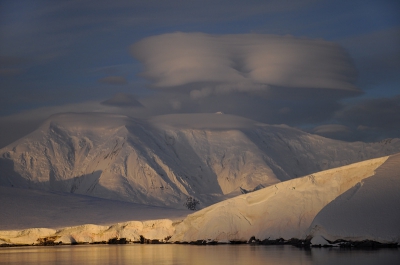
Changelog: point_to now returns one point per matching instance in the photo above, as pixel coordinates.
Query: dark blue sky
(60, 56)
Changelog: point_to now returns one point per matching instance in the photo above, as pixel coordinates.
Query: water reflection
(196, 255)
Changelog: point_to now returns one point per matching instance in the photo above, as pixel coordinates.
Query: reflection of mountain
(162, 160)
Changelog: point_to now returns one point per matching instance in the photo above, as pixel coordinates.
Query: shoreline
(299, 243)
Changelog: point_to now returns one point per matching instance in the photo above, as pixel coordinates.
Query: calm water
(187, 254)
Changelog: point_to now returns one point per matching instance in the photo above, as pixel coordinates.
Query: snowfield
(162, 160)
(26, 208)
(285, 210)
(354, 202)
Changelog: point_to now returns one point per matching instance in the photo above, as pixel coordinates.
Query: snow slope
(369, 210)
(286, 210)
(162, 160)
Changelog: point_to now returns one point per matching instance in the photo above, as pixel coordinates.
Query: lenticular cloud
(245, 62)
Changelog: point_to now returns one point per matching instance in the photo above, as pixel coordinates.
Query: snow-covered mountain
(355, 202)
(160, 161)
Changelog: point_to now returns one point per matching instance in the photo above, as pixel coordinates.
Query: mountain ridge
(162, 160)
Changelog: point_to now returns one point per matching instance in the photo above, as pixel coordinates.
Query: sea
(173, 254)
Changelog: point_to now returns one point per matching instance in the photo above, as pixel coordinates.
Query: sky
(327, 67)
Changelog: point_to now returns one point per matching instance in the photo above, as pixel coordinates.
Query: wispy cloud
(122, 100)
(10, 71)
(11, 66)
(114, 80)
(377, 56)
(331, 128)
(381, 113)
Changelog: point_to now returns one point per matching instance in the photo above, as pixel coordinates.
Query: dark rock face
(299, 242)
(235, 242)
(47, 241)
(117, 241)
(365, 244)
(144, 240)
(280, 241)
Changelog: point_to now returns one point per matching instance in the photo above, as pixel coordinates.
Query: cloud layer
(221, 64)
(114, 80)
(122, 100)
